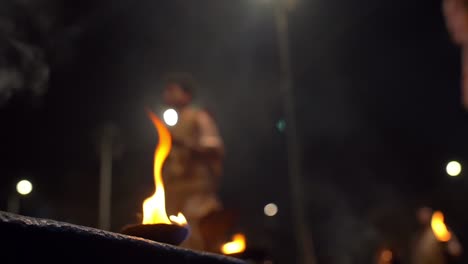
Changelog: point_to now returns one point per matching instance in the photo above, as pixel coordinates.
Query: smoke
(22, 67)
(23, 64)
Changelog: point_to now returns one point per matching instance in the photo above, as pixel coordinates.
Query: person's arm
(454, 248)
(456, 17)
(209, 140)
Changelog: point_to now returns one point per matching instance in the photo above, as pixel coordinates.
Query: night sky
(377, 86)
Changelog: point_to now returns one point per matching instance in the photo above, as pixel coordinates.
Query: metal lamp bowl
(163, 233)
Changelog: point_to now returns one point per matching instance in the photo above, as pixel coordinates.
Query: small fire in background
(154, 208)
(236, 246)
(385, 257)
(439, 228)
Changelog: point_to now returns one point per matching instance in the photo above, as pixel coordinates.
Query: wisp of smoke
(23, 66)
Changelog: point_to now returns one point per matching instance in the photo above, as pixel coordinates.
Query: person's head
(178, 89)
(424, 215)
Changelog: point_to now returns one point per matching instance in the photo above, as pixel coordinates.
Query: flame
(439, 228)
(179, 219)
(386, 256)
(154, 208)
(237, 245)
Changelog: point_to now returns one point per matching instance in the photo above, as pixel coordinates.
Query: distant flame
(439, 228)
(386, 256)
(237, 245)
(154, 208)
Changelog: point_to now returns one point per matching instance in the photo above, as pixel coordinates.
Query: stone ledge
(32, 240)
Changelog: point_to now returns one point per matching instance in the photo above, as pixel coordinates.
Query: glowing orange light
(386, 256)
(439, 228)
(154, 208)
(237, 245)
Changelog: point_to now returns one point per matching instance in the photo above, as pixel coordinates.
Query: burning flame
(237, 245)
(154, 208)
(179, 219)
(385, 257)
(439, 228)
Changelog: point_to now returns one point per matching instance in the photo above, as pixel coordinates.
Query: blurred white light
(171, 117)
(24, 187)
(454, 168)
(271, 209)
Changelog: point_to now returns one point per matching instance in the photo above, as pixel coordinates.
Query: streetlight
(23, 188)
(301, 228)
(454, 168)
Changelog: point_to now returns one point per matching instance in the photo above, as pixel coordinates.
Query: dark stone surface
(31, 240)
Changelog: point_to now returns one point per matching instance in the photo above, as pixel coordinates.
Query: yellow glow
(439, 228)
(454, 168)
(179, 219)
(271, 209)
(171, 117)
(24, 187)
(237, 245)
(154, 208)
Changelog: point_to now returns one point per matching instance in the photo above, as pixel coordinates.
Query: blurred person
(456, 14)
(426, 249)
(192, 170)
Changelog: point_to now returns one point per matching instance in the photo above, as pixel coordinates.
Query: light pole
(301, 228)
(107, 149)
(23, 188)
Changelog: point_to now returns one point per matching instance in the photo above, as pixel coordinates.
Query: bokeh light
(386, 256)
(271, 209)
(24, 187)
(454, 168)
(281, 125)
(171, 117)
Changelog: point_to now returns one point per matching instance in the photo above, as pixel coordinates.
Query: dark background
(378, 103)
